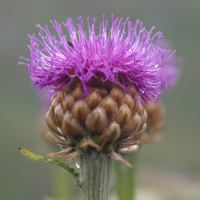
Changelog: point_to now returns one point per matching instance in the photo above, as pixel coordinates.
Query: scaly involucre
(126, 54)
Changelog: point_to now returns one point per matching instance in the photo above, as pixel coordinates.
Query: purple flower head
(172, 70)
(126, 54)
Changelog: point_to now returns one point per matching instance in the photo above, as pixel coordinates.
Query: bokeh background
(166, 171)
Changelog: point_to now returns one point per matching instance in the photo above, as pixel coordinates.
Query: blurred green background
(166, 171)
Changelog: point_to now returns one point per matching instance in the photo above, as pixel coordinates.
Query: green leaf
(71, 170)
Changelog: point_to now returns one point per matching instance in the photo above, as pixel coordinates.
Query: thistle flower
(172, 69)
(127, 58)
(155, 121)
(156, 111)
(99, 83)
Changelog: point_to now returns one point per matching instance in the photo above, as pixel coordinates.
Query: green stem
(95, 172)
(125, 178)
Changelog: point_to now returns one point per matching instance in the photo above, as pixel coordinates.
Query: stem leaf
(71, 170)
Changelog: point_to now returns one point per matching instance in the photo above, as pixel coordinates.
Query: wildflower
(127, 58)
(156, 111)
(99, 83)
(172, 70)
(155, 121)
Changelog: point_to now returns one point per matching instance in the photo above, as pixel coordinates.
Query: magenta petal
(126, 51)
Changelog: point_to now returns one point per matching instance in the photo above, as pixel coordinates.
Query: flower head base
(108, 120)
(130, 58)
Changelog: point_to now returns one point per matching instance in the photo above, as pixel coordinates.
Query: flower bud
(155, 121)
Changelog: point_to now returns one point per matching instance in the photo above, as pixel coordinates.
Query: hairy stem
(95, 172)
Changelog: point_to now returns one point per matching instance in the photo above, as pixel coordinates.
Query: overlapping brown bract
(108, 119)
(155, 121)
